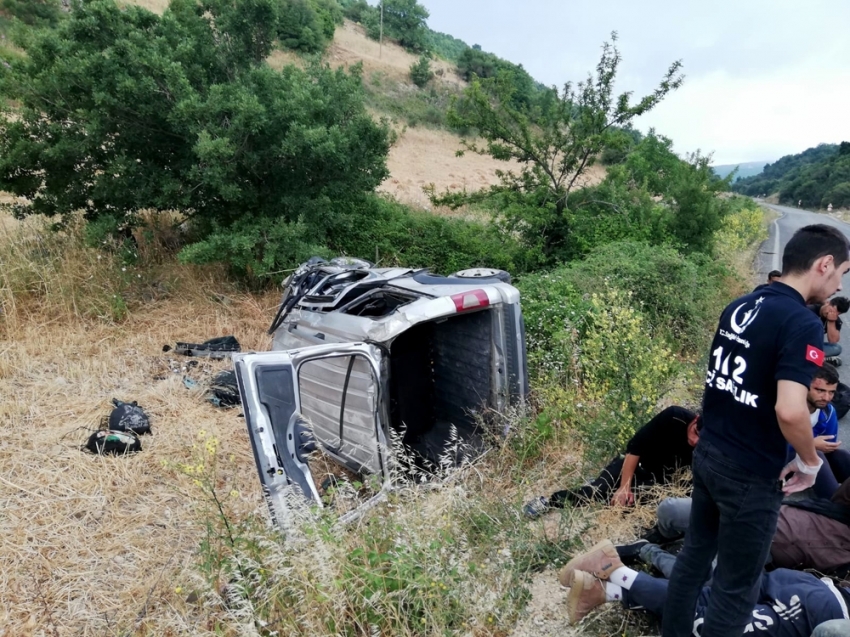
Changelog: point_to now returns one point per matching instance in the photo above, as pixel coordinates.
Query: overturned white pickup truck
(360, 351)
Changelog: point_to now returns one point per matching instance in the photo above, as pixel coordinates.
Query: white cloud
(765, 78)
(762, 118)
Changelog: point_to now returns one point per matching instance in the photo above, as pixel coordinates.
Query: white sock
(613, 592)
(623, 576)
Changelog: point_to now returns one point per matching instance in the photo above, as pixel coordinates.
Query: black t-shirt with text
(764, 337)
(662, 443)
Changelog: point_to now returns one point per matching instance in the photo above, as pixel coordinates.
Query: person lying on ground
(829, 313)
(789, 604)
(654, 454)
(772, 276)
(833, 628)
(810, 533)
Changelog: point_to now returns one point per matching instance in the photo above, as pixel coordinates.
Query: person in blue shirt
(763, 357)
(836, 461)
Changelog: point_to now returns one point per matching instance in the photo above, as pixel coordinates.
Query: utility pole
(381, 39)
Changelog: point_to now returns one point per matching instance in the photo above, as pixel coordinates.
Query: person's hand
(825, 444)
(831, 313)
(623, 497)
(804, 475)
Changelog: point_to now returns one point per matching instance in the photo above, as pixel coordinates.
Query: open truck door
(326, 398)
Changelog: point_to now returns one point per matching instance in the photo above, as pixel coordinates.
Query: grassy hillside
(816, 177)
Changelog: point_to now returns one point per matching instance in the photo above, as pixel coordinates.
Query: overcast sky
(765, 78)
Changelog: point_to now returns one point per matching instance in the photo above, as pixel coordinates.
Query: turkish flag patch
(814, 355)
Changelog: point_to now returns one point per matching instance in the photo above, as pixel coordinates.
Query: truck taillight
(472, 300)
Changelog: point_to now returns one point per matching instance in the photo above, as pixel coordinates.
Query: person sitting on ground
(811, 533)
(836, 461)
(829, 314)
(790, 603)
(772, 276)
(660, 448)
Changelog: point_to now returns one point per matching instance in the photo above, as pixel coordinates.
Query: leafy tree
(404, 22)
(299, 27)
(623, 142)
(555, 141)
(355, 9)
(330, 16)
(687, 188)
(122, 110)
(446, 46)
(475, 62)
(420, 72)
(37, 13)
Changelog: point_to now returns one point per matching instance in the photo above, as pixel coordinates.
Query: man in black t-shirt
(661, 447)
(772, 276)
(761, 363)
(828, 313)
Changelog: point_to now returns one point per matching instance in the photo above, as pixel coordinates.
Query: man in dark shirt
(772, 276)
(828, 314)
(761, 363)
(662, 446)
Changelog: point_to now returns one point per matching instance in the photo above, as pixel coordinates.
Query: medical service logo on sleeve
(814, 355)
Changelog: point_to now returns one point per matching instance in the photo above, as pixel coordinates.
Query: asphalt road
(770, 258)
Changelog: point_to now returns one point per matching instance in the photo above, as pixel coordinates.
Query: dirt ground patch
(351, 45)
(423, 156)
(107, 545)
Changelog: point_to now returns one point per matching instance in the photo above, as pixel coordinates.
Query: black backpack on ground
(115, 443)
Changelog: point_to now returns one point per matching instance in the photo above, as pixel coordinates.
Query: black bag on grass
(117, 443)
(225, 391)
(129, 417)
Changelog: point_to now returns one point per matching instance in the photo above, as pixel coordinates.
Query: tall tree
(121, 110)
(557, 139)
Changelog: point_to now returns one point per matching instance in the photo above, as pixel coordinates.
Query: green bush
(357, 10)
(370, 228)
(300, 28)
(394, 98)
(400, 236)
(679, 295)
(446, 46)
(420, 72)
(38, 13)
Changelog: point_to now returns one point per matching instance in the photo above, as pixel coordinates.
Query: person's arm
(623, 496)
(793, 417)
(827, 441)
(833, 335)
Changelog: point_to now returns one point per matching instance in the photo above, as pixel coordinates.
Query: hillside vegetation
(167, 170)
(816, 178)
(747, 169)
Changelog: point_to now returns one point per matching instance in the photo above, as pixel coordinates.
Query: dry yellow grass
(157, 6)
(101, 545)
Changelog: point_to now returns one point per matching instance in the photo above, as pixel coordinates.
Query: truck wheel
(483, 273)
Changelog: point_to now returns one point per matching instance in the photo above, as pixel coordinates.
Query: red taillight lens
(472, 300)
